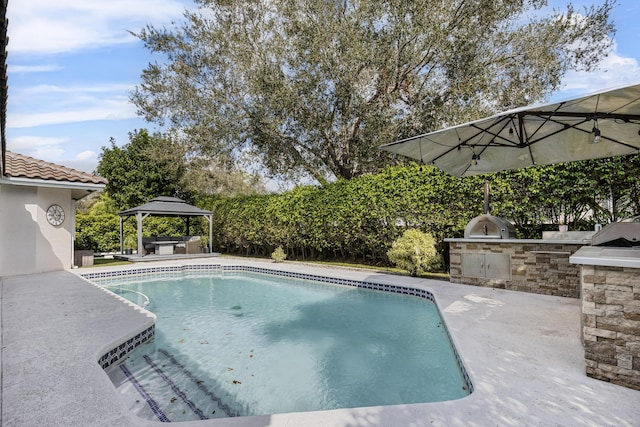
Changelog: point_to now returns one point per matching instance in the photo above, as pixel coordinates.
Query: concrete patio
(522, 352)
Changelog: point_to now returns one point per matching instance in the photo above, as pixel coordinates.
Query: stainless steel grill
(621, 234)
(489, 227)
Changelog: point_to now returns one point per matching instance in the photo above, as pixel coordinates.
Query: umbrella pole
(486, 209)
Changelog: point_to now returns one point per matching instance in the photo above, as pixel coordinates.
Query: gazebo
(164, 206)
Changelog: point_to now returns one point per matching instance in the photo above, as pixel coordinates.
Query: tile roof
(20, 166)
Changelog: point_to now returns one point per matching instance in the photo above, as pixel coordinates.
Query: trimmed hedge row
(357, 219)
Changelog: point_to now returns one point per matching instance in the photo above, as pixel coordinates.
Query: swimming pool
(230, 344)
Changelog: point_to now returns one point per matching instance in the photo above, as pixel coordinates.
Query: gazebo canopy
(164, 206)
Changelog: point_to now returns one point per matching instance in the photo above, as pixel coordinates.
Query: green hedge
(356, 219)
(360, 218)
(101, 231)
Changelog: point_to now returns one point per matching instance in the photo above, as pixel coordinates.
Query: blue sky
(72, 64)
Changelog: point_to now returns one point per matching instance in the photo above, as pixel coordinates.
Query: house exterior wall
(28, 243)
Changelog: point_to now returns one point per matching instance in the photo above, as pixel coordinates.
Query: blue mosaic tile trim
(217, 268)
(118, 353)
(181, 394)
(152, 403)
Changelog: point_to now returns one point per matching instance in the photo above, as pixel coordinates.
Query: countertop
(607, 256)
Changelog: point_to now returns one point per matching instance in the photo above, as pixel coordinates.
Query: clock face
(55, 215)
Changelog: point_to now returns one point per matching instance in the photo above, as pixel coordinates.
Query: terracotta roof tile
(20, 166)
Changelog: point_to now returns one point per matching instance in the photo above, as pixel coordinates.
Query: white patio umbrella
(604, 124)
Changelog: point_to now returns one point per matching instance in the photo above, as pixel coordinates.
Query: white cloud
(86, 155)
(25, 143)
(88, 165)
(46, 27)
(54, 150)
(105, 110)
(50, 154)
(39, 147)
(55, 89)
(44, 68)
(614, 71)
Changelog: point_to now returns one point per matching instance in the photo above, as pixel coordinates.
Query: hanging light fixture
(595, 135)
(474, 159)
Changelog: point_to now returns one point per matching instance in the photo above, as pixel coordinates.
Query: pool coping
(522, 352)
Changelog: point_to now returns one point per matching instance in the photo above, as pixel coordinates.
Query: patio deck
(522, 351)
(169, 257)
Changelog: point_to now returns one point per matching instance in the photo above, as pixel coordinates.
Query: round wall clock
(55, 215)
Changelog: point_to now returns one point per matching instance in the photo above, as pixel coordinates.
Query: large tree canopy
(313, 87)
(152, 165)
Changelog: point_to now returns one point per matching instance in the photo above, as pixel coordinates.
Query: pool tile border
(131, 344)
(116, 354)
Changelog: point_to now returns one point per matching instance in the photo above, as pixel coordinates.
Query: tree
(147, 167)
(313, 87)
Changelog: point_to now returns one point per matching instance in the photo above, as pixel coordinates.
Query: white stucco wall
(28, 243)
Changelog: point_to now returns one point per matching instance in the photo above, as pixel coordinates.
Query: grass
(389, 270)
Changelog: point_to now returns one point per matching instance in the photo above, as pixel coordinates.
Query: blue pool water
(239, 344)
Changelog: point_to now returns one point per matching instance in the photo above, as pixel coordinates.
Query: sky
(72, 64)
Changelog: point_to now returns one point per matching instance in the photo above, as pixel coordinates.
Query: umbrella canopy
(604, 124)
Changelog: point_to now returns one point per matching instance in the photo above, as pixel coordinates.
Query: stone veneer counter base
(537, 266)
(610, 281)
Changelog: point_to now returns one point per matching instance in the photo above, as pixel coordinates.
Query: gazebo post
(210, 218)
(121, 237)
(139, 216)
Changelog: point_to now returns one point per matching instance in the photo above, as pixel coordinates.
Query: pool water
(239, 344)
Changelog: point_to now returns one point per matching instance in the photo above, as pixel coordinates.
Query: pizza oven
(488, 226)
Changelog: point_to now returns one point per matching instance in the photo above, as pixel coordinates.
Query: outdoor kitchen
(490, 255)
(600, 267)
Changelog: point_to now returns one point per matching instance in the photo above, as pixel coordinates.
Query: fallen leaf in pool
(229, 369)
(173, 399)
(236, 382)
(204, 342)
(181, 341)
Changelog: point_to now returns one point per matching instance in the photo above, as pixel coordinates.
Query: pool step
(161, 388)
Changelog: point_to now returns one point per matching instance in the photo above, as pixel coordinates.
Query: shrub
(415, 252)
(130, 241)
(278, 255)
